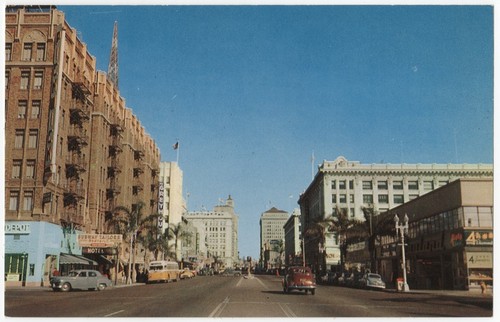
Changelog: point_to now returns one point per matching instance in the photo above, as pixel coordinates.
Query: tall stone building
(74, 151)
(350, 185)
(293, 246)
(272, 237)
(217, 234)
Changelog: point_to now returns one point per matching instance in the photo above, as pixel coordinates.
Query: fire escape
(76, 164)
(113, 189)
(138, 185)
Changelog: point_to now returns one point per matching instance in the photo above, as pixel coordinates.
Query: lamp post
(402, 229)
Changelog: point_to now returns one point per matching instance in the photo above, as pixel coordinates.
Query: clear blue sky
(251, 91)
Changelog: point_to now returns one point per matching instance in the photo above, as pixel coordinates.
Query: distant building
(171, 181)
(272, 237)
(217, 233)
(350, 185)
(293, 249)
(73, 151)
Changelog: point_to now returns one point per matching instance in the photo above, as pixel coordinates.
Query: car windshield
(73, 274)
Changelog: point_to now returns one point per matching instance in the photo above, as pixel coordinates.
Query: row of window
(382, 198)
(31, 51)
(29, 172)
(22, 109)
(32, 139)
(14, 199)
(25, 79)
(384, 185)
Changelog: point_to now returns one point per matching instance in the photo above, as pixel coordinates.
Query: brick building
(74, 151)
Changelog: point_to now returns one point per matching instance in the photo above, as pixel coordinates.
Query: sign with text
(478, 237)
(99, 240)
(11, 228)
(99, 251)
(479, 260)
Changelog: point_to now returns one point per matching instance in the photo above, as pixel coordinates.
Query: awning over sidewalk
(75, 259)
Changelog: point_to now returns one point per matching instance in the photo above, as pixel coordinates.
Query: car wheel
(101, 287)
(66, 287)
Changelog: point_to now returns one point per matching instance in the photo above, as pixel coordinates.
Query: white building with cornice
(351, 185)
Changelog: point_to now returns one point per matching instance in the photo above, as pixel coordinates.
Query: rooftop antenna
(113, 58)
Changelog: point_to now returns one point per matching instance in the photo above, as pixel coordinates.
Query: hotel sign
(99, 240)
(11, 228)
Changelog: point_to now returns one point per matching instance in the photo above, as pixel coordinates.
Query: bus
(163, 271)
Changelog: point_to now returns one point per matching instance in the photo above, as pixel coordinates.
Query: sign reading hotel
(99, 240)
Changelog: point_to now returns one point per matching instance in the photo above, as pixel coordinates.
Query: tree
(129, 222)
(280, 249)
(178, 232)
(338, 223)
(375, 228)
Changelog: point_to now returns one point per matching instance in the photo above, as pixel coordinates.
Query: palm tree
(375, 228)
(338, 223)
(280, 249)
(158, 242)
(178, 232)
(129, 222)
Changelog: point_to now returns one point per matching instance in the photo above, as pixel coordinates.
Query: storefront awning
(75, 259)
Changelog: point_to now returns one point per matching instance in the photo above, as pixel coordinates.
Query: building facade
(217, 233)
(74, 151)
(173, 205)
(272, 238)
(350, 185)
(449, 240)
(293, 245)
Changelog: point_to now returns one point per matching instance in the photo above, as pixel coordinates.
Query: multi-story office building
(272, 237)
(350, 185)
(293, 250)
(173, 205)
(73, 151)
(217, 233)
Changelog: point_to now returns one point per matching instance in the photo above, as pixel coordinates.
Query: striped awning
(75, 259)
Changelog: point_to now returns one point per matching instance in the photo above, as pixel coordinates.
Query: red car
(299, 278)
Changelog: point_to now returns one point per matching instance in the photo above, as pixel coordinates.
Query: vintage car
(231, 272)
(187, 273)
(371, 280)
(84, 279)
(299, 278)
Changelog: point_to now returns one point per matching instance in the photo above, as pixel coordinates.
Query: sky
(258, 96)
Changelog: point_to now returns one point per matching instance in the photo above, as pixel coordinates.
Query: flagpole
(178, 148)
(312, 165)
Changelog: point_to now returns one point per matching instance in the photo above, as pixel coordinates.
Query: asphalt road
(261, 296)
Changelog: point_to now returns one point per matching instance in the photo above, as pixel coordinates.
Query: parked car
(353, 280)
(299, 278)
(371, 280)
(85, 279)
(187, 273)
(231, 272)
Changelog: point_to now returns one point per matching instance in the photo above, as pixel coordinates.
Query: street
(260, 296)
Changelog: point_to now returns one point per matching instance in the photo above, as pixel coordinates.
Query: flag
(176, 145)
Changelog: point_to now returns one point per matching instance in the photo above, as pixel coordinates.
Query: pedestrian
(483, 287)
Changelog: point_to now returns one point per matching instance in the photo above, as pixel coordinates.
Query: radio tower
(113, 58)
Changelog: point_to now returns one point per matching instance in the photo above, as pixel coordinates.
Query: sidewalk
(470, 293)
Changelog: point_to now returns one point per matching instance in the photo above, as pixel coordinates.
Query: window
(27, 49)
(25, 80)
(382, 185)
(334, 198)
(30, 169)
(334, 184)
(7, 77)
(413, 185)
(21, 109)
(367, 198)
(351, 198)
(28, 201)
(33, 139)
(411, 197)
(351, 184)
(399, 199)
(342, 199)
(16, 169)
(40, 52)
(342, 184)
(35, 109)
(37, 83)
(383, 198)
(367, 185)
(8, 51)
(13, 200)
(397, 185)
(18, 141)
(428, 185)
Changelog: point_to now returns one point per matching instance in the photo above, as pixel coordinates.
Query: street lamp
(402, 229)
